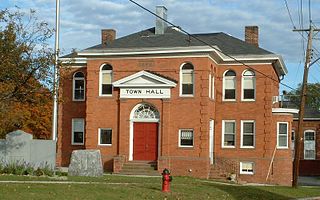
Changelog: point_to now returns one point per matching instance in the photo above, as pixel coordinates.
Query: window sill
(249, 147)
(77, 144)
(228, 147)
(105, 145)
(186, 96)
(229, 100)
(78, 100)
(248, 100)
(283, 148)
(246, 173)
(186, 147)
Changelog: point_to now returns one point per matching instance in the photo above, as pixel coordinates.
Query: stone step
(140, 168)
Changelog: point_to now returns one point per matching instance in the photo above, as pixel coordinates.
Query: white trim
(285, 110)
(210, 85)
(131, 129)
(254, 134)
(308, 119)
(223, 132)
(164, 82)
(181, 77)
(244, 172)
(213, 87)
(223, 86)
(211, 140)
(287, 145)
(72, 131)
(99, 136)
(101, 72)
(179, 139)
(314, 146)
(73, 86)
(253, 78)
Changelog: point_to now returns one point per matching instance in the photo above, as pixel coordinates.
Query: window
(228, 133)
(106, 80)
(229, 86)
(309, 145)
(77, 131)
(187, 80)
(211, 86)
(246, 167)
(248, 85)
(282, 135)
(186, 138)
(247, 134)
(78, 87)
(105, 136)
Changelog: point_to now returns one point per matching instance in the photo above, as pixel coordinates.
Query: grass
(123, 187)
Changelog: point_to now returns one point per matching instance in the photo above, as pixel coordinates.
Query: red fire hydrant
(166, 179)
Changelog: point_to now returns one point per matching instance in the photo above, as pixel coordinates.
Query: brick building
(162, 96)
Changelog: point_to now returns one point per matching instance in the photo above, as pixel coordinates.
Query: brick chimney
(107, 36)
(160, 24)
(252, 35)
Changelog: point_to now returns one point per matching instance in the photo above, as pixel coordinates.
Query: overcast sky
(82, 20)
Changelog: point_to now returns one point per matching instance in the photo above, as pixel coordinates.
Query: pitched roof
(175, 38)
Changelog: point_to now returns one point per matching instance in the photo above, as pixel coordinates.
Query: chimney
(160, 24)
(107, 36)
(252, 35)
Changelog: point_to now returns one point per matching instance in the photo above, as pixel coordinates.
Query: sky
(82, 20)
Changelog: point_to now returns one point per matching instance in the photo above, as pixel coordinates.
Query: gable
(144, 79)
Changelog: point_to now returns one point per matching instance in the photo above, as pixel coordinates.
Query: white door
(211, 141)
(309, 145)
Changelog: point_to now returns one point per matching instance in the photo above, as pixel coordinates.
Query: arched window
(248, 85)
(106, 80)
(78, 86)
(187, 80)
(146, 112)
(229, 86)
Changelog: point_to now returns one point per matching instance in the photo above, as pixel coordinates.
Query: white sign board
(150, 93)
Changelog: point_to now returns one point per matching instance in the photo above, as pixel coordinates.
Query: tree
(25, 73)
(312, 98)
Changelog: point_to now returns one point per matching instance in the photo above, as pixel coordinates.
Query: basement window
(246, 168)
(105, 136)
(186, 138)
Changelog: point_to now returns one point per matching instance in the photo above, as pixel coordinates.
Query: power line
(204, 42)
(289, 13)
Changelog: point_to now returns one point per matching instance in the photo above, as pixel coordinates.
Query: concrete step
(140, 168)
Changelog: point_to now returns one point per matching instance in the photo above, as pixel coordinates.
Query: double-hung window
(186, 138)
(228, 133)
(78, 86)
(106, 80)
(229, 86)
(282, 135)
(247, 134)
(187, 80)
(246, 168)
(248, 86)
(77, 131)
(105, 136)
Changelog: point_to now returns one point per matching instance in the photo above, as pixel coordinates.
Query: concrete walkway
(309, 180)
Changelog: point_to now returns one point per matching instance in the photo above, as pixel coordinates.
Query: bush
(23, 168)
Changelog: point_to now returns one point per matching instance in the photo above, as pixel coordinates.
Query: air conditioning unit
(275, 99)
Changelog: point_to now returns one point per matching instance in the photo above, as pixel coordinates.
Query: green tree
(25, 72)
(312, 98)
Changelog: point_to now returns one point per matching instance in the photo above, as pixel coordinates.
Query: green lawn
(122, 187)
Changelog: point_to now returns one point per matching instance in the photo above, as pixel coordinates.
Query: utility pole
(55, 75)
(299, 133)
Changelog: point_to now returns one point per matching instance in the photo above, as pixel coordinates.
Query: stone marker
(85, 163)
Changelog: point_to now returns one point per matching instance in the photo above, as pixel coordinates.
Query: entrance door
(309, 145)
(145, 141)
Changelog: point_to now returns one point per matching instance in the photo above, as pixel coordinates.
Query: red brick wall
(180, 112)
(309, 167)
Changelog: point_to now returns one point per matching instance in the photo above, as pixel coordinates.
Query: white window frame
(74, 86)
(223, 133)
(101, 72)
(315, 146)
(186, 129)
(254, 134)
(246, 172)
(211, 86)
(99, 136)
(72, 132)
(287, 146)
(181, 80)
(224, 83)
(253, 78)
